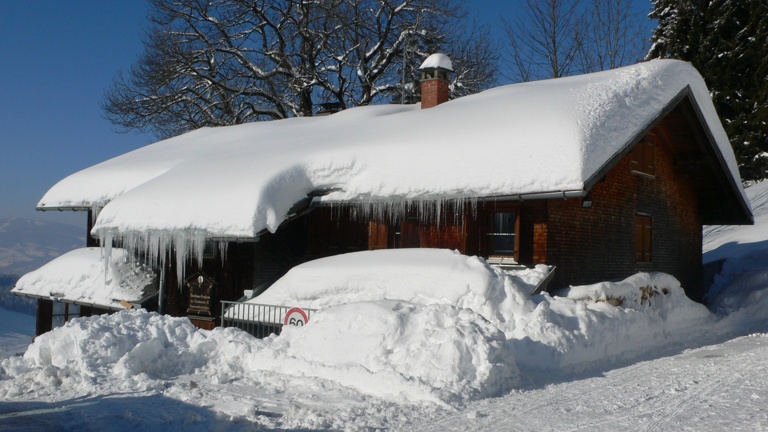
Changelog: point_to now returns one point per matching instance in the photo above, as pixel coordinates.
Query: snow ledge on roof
(532, 138)
(79, 277)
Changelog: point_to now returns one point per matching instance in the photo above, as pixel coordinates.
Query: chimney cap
(437, 61)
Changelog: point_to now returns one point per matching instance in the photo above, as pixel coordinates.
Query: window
(500, 238)
(643, 154)
(643, 228)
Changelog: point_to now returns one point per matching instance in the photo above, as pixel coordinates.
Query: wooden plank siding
(599, 243)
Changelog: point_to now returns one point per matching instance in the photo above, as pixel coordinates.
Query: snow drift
(408, 338)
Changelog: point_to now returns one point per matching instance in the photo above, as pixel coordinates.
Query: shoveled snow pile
(412, 340)
(396, 351)
(85, 277)
(421, 276)
(566, 332)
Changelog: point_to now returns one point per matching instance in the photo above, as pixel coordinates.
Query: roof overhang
(115, 305)
(721, 198)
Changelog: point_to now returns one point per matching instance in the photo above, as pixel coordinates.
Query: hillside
(27, 244)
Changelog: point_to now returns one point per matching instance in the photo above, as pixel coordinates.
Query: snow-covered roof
(544, 137)
(437, 60)
(79, 277)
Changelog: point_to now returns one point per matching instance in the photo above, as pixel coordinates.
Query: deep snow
(573, 362)
(85, 277)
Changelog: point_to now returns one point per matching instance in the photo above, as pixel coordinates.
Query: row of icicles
(155, 247)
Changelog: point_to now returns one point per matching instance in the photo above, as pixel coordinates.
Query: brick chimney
(434, 80)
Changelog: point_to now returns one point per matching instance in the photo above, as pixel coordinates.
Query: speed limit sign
(296, 317)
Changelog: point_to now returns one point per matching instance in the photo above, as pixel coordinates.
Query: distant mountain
(28, 244)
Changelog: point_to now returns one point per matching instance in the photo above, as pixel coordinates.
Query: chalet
(601, 175)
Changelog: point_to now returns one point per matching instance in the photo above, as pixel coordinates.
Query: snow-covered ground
(480, 357)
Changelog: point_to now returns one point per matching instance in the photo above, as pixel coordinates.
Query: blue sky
(58, 57)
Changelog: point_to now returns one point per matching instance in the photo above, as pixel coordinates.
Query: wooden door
(378, 235)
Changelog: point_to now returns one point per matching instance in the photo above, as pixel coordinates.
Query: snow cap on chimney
(437, 60)
(434, 80)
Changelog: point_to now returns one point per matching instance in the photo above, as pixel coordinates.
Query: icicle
(105, 240)
(180, 244)
(223, 251)
(429, 210)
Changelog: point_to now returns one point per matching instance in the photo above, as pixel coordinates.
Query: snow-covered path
(715, 388)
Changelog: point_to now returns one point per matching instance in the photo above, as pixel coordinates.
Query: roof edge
(736, 187)
(627, 147)
(63, 208)
(685, 93)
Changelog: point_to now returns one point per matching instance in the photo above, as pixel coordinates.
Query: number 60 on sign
(296, 317)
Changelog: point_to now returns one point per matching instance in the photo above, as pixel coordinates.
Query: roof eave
(629, 145)
(745, 216)
(64, 208)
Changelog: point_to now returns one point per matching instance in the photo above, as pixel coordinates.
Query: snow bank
(401, 325)
(740, 290)
(421, 276)
(393, 350)
(420, 325)
(608, 322)
(426, 276)
(79, 276)
(741, 284)
(397, 351)
(136, 349)
(580, 326)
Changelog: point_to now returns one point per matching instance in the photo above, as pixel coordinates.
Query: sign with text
(200, 291)
(296, 317)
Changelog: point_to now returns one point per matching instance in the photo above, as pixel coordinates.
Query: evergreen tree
(727, 41)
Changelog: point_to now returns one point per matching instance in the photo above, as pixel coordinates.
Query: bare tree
(475, 57)
(614, 36)
(221, 62)
(555, 38)
(545, 40)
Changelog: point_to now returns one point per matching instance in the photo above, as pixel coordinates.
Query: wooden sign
(200, 291)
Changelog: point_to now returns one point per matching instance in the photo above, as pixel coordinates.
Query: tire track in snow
(711, 382)
(522, 410)
(663, 394)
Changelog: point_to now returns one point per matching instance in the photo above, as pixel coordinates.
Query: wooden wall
(594, 244)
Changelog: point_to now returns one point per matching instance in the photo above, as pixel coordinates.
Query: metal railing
(256, 319)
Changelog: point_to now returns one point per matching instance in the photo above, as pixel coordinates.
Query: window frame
(491, 231)
(643, 156)
(643, 228)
